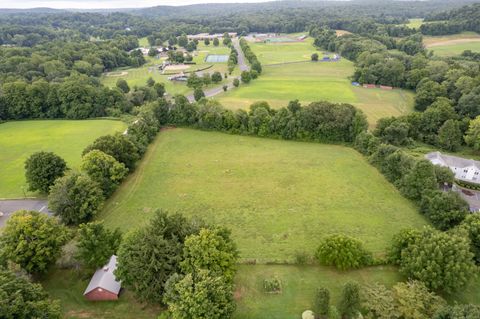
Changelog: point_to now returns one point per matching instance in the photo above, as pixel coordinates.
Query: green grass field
(455, 44)
(18, 140)
(315, 81)
(269, 53)
(278, 197)
(139, 76)
(414, 23)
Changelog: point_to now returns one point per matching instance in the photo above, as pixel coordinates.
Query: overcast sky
(101, 4)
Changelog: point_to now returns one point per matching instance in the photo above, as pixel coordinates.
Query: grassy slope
(278, 197)
(139, 76)
(312, 82)
(18, 140)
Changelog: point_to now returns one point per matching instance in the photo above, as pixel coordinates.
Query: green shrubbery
(343, 252)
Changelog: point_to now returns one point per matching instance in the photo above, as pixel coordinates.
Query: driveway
(242, 65)
(472, 197)
(7, 207)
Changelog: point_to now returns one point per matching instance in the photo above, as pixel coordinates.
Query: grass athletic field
(277, 197)
(65, 138)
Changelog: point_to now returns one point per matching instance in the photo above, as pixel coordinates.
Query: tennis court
(216, 58)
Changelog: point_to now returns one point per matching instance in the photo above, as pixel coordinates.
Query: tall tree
(147, 257)
(349, 305)
(201, 296)
(104, 169)
(75, 198)
(42, 169)
(23, 299)
(96, 244)
(32, 240)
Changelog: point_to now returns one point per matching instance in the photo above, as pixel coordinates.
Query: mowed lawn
(18, 140)
(277, 197)
(139, 76)
(317, 81)
(271, 53)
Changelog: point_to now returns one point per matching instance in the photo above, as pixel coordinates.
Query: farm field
(277, 197)
(455, 44)
(315, 81)
(139, 76)
(65, 138)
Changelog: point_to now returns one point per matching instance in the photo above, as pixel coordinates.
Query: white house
(464, 169)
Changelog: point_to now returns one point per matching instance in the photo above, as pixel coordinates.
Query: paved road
(242, 65)
(7, 207)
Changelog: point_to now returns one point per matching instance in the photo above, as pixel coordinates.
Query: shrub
(272, 285)
(322, 301)
(343, 252)
(349, 304)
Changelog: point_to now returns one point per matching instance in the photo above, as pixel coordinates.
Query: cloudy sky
(100, 4)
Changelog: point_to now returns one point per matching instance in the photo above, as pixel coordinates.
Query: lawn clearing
(68, 286)
(316, 81)
(455, 44)
(18, 140)
(414, 23)
(277, 197)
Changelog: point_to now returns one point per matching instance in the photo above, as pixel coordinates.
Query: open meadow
(139, 76)
(316, 81)
(455, 44)
(277, 197)
(18, 140)
(312, 81)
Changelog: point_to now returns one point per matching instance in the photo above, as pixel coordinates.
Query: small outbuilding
(104, 285)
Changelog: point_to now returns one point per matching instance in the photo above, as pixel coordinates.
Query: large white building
(464, 169)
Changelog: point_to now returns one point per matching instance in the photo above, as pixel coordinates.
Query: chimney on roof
(105, 268)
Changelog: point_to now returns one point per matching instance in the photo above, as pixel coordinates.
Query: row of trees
(255, 65)
(411, 299)
(417, 179)
(318, 121)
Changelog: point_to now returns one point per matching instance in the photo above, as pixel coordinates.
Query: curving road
(242, 65)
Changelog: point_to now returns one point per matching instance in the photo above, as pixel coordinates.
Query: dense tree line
(318, 121)
(250, 56)
(417, 179)
(466, 18)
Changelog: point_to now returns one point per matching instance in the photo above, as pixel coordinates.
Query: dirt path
(452, 42)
